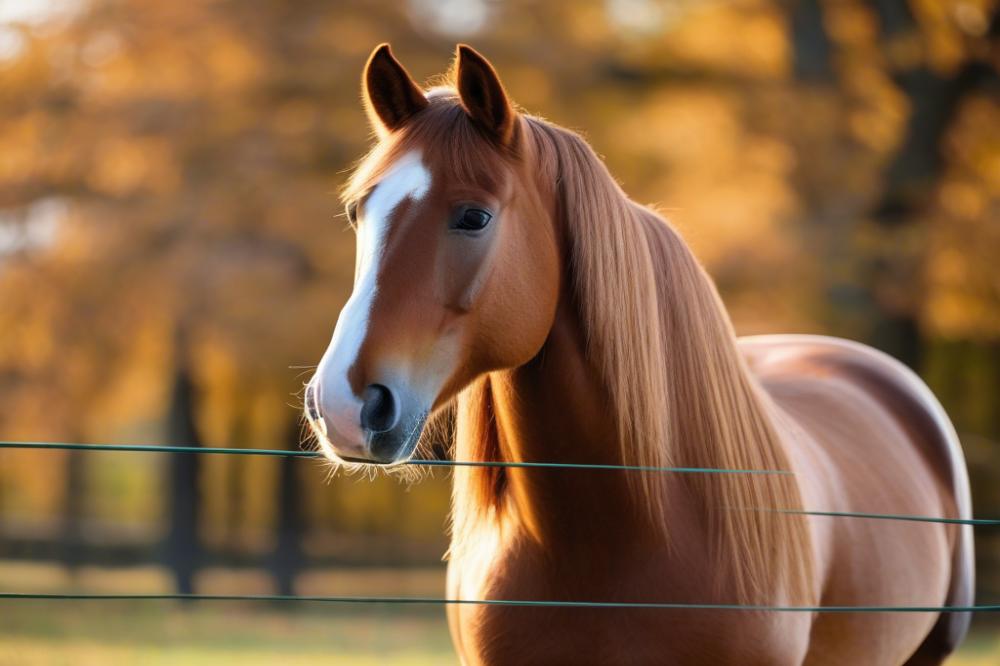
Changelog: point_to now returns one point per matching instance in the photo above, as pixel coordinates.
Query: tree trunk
(810, 43)
(910, 177)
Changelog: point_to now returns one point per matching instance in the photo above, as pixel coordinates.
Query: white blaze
(408, 178)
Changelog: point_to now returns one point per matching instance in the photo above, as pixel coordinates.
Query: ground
(108, 633)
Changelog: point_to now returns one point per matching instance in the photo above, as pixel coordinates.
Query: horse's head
(457, 269)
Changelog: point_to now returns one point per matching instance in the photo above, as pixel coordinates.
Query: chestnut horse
(501, 271)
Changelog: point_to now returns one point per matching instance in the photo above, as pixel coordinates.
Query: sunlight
(452, 17)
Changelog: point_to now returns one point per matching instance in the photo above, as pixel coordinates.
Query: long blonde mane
(681, 393)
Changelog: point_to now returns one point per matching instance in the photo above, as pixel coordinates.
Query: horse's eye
(473, 219)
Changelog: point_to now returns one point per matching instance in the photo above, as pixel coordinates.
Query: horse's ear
(483, 95)
(391, 97)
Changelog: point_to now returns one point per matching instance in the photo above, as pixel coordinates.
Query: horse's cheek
(463, 270)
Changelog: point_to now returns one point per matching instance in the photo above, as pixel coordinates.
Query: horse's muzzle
(386, 430)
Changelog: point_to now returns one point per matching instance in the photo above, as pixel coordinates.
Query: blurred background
(173, 259)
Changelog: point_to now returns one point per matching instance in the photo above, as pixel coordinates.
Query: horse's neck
(555, 409)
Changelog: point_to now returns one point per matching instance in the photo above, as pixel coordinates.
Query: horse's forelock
(451, 144)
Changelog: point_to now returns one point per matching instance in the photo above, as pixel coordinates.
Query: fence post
(183, 552)
(71, 534)
(287, 558)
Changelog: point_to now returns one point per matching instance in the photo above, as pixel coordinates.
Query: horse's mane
(656, 327)
(680, 389)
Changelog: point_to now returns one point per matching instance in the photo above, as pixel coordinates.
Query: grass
(156, 632)
(84, 633)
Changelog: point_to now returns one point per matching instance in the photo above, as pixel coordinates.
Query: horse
(504, 277)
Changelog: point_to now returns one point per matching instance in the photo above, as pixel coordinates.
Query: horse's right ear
(391, 97)
(483, 95)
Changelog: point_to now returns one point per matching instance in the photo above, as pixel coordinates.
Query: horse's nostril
(379, 412)
(312, 407)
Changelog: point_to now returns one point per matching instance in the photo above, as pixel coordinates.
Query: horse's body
(501, 269)
(855, 418)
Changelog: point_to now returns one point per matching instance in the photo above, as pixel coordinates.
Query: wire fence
(203, 450)
(141, 448)
(525, 603)
(158, 448)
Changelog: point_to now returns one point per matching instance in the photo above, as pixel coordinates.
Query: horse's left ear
(483, 95)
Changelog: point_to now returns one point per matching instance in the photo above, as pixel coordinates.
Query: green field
(102, 633)
(89, 633)
(85, 633)
(246, 633)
